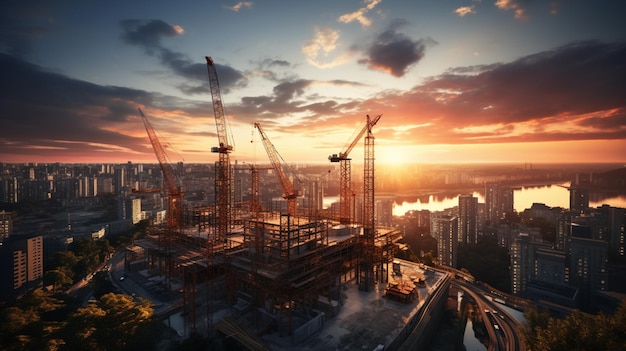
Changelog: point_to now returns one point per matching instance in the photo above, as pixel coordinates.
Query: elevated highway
(505, 332)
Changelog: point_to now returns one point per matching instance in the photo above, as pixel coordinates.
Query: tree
(33, 322)
(577, 331)
(111, 323)
(58, 278)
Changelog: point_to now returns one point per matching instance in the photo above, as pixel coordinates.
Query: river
(554, 195)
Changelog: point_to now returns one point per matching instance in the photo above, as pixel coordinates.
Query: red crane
(289, 193)
(223, 179)
(172, 183)
(345, 172)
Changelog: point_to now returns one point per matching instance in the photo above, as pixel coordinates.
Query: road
(133, 286)
(505, 332)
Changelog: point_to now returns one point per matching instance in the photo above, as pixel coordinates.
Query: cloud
(23, 22)
(240, 5)
(42, 110)
(148, 35)
(465, 10)
(318, 49)
(76, 120)
(393, 52)
(573, 92)
(513, 5)
(359, 15)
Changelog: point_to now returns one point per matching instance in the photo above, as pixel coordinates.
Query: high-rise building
(384, 212)
(610, 225)
(521, 263)
(444, 228)
(498, 201)
(119, 180)
(129, 209)
(21, 259)
(9, 190)
(549, 265)
(578, 199)
(468, 219)
(587, 267)
(6, 225)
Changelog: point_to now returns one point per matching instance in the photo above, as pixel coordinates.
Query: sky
(455, 81)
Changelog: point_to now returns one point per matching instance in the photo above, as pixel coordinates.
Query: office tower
(444, 228)
(468, 219)
(9, 190)
(21, 259)
(608, 223)
(104, 184)
(129, 209)
(587, 267)
(564, 228)
(384, 212)
(522, 261)
(578, 199)
(119, 180)
(6, 225)
(498, 201)
(549, 265)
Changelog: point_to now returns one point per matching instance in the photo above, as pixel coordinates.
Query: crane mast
(367, 269)
(174, 189)
(345, 172)
(289, 193)
(222, 170)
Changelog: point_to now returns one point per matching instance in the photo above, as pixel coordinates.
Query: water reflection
(470, 341)
(554, 195)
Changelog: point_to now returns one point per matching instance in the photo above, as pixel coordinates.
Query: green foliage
(101, 284)
(32, 322)
(41, 321)
(108, 324)
(58, 278)
(83, 258)
(578, 331)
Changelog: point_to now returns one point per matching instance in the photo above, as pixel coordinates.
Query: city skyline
(470, 81)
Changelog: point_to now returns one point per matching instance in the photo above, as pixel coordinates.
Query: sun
(394, 155)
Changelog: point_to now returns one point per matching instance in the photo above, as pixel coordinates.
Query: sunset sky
(455, 81)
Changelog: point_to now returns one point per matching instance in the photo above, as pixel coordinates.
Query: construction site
(297, 277)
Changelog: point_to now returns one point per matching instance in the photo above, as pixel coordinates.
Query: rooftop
(364, 320)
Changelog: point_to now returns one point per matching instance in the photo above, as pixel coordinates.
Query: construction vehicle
(289, 192)
(345, 172)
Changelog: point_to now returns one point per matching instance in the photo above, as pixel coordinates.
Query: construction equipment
(367, 269)
(345, 172)
(255, 201)
(289, 193)
(172, 182)
(223, 177)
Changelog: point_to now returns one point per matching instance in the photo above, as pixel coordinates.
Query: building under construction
(283, 280)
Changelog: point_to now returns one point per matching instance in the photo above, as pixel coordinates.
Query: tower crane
(367, 269)
(223, 179)
(255, 202)
(289, 193)
(345, 172)
(172, 183)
